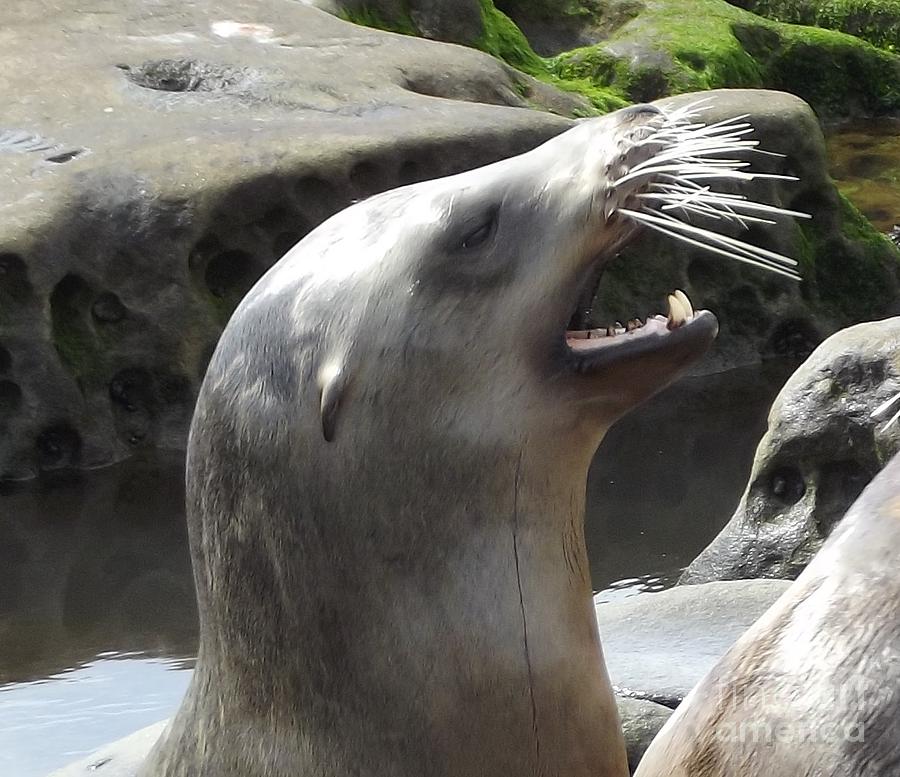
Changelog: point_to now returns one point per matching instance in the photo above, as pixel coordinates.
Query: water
(97, 615)
(865, 163)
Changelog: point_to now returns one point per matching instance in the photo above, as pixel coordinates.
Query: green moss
(546, 9)
(503, 39)
(858, 274)
(370, 17)
(858, 76)
(506, 41)
(694, 45)
(876, 21)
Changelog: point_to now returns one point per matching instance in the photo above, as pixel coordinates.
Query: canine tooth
(629, 325)
(685, 303)
(676, 312)
(610, 331)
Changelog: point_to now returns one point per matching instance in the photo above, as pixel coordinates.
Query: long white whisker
(734, 243)
(676, 183)
(760, 254)
(706, 247)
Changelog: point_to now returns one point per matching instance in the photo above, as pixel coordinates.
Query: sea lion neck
(418, 629)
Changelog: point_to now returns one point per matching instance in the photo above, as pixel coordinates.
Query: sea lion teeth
(578, 334)
(685, 303)
(677, 314)
(610, 331)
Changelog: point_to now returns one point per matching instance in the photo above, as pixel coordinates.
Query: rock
(658, 646)
(820, 450)
(647, 50)
(157, 162)
(878, 23)
(121, 758)
(454, 21)
(555, 26)
(641, 721)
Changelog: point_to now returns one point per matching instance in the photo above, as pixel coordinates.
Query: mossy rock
(877, 21)
(680, 46)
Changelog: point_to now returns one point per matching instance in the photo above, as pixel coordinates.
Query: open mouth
(598, 347)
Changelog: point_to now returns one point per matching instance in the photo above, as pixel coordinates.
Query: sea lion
(812, 689)
(387, 463)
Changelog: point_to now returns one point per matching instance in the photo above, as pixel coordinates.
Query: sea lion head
(446, 303)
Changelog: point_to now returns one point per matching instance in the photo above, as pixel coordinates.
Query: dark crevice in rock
(132, 390)
(840, 483)
(204, 249)
(65, 156)
(704, 272)
(144, 400)
(205, 359)
(410, 172)
(14, 282)
(10, 397)
(793, 338)
(58, 446)
(230, 274)
(185, 75)
(72, 334)
(285, 241)
(744, 312)
(367, 178)
(108, 309)
(274, 218)
(5, 359)
(319, 198)
(23, 142)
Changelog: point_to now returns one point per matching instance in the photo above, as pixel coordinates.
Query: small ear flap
(333, 382)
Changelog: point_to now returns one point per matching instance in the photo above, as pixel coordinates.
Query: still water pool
(97, 616)
(864, 157)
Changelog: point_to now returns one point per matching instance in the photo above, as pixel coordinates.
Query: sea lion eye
(480, 234)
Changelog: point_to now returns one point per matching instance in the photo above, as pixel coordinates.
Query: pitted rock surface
(158, 158)
(822, 447)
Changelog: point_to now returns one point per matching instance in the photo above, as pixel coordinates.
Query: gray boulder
(658, 646)
(172, 154)
(641, 722)
(821, 449)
